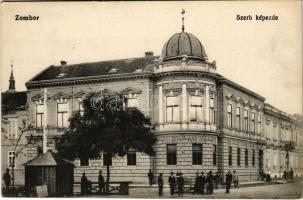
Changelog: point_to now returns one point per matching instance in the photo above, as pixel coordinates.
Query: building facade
(203, 121)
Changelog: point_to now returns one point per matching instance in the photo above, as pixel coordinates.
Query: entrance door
(260, 160)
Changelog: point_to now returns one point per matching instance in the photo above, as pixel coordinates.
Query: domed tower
(184, 51)
(185, 102)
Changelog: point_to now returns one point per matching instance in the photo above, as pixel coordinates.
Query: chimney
(149, 54)
(63, 62)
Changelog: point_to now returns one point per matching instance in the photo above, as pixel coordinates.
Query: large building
(203, 121)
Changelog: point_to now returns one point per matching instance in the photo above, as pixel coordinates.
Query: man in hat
(202, 181)
(180, 182)
(84, 184)
(172, 182)
(101, 183)
(7, 179)
(160, 184)
(228, 181)
(236, 179)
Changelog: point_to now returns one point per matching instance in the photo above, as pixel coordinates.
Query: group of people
(202, 181)
(86, 185)
(174, 183)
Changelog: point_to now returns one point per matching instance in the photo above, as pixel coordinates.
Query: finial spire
(12, 80)
(182, 13)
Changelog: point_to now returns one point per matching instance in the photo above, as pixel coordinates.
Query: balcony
(289, 145)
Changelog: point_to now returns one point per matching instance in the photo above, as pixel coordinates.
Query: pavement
(249, 190)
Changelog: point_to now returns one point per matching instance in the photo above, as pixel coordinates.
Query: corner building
(202, 120)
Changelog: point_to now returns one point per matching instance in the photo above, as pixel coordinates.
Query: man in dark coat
(150, 177)
(160, 184)
(210, 182)
(84, 184)
(180, 182)
(101, 183)
(291, 173)
(7, 179)
(203, 182)
(197, 184)
(172, 183)
(228, 181)
(217, 179)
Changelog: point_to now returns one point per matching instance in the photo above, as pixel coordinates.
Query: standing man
(160, 184)
(7, 179)
(101, 183)
(197, 184)
(84, 184)
(180, 182)
(203, 181)
(210, 182)
(172, 182)
(228, 181)
(150, 177)
(291, 174)
(236, 179)
(216, 178)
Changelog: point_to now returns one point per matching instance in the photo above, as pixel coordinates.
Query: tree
(106, 127)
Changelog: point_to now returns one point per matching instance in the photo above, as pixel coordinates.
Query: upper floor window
(11, 159)
(238, 118)
(171, 154)
(212, 111)
(259, 123)
(197, 154)
(172, 109)
(131, 157)
(275, 131)
(275, 158)
(62, 114)
(132, 100)
(246, 120)
(39, 115)
(195, 108)
(229, 116)
(12, 128)
(253, 124)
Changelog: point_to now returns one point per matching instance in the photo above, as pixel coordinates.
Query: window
(238, 118)
(39, 115)
(107, 159)
(132, 100)
(215, 154)
(172, 109)
(275, 131)
(81, 108)
(246, 120)
(253, 158)
(275, 164)
(13, 128)
(11, 159)
(39, 151)
(230, 156)
(131, 157)
(171, 150)
(267, 159)
(253, 125)
(212, 111)
(259, 123)
(246, 157)
(197, 154)
(195, 108)
(239, 157)
(229, 116)
(62, 115)
(84, 162)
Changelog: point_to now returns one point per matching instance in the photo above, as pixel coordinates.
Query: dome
(183, 44)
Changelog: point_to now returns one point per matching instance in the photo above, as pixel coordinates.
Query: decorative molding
(61, 95)
(38, 97)
(131, 90)
(80, 94)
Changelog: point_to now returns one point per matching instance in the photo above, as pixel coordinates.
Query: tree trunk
(13, 175)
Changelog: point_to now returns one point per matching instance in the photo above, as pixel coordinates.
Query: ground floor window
(171, 156)
(197, 154)
(11, 159)
(131, 157)
(239, 157)
(214, 154)
(253, 158)
(230, 157)
(246, 157)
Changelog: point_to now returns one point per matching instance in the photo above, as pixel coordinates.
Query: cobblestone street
(275, 191)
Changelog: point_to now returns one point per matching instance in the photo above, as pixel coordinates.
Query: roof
(48, 159)
(183, 44)
(13, 101)
(122, 66)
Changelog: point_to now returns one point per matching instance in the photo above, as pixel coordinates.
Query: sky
(265, 57)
